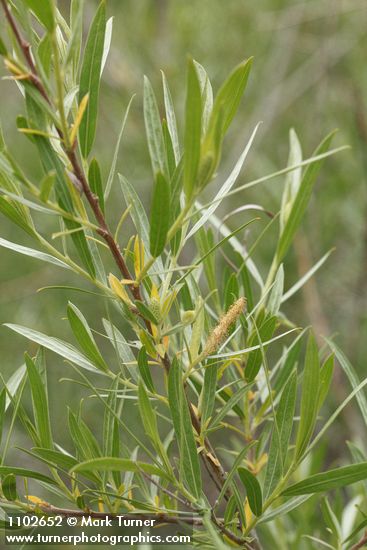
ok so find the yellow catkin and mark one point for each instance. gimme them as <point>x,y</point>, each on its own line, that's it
<point>221,330</point>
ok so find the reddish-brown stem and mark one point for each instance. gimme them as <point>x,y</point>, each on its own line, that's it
<point>360,544</point>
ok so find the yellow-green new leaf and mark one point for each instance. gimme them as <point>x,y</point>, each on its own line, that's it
<point>160,215</point>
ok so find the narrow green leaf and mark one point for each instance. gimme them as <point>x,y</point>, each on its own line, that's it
<point>171,118</point>
<point>326,481</point>
<point>84,337</point>
<point>109,418</point>
<point>310,396</point>
<point>168,147</point>
<point>9,210</point>
<point>57,458</point>
<point>206,95</point>
<point>275,297</point>
<point>47,184</point>
<point>25,472</point>
<point>230,95</point>
<point>189,462</point>
<point>57,346</point>
<point>192,139</point>
<point>32,253</point>
<point>160,215</point>
<point>90,79</point>
<point>285,508</point>
<point>112,171</point>
<point>229,406</point>
<point>301,200</point>
<point>153,128</point>
<point>253,490</point>
<point>95,181</point>
<point>147,414</point>
<point>9,487</point>
<point>281,435</point>
<point>13,384</point>
<point>228,481</point>
<point>149,419</point>
<point>110,464</point>
<point>44,53</point>
<point>145,370</point>
<point>3,50</point>
<point>40,404</point>
<point>326,376</point>
<point>84,441</point>
<point>255,358</point>
<point>352,377</point>
<point>207,397</point>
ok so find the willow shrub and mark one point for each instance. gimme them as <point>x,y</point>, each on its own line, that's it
<point>228,390</point>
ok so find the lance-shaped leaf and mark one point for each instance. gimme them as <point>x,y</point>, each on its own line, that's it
<point>25,472</point>
<point>84,441</point>
<point>310,397</point>
<point>192,138</point>
<point>90,79</point>
<point>149,419</point>
<point>281,435</point>
<point>255,357</point>
<point>352,377</point>
<point>40,404</point>
<point>160,215</point>
<point>11,212</point>
<point>326,481</point>
<point>230,94</point>
<point>153,128</point>
<point>144,369</point>
<point>84,336</point>
<point>171,119</point>
<point>112,464</point>
<point>301,200</point>
<point>9,487</point>
<point>189,462</point>
<point>57,346</point>
<point>253,490</point>
<point>207,397</point>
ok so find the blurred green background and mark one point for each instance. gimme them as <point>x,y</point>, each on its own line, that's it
<point>309,73</point>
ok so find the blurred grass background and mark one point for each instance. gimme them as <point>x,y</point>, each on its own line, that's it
<point>309,73</point>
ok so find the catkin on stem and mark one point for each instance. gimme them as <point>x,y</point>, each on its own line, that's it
<point>221,330</point>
